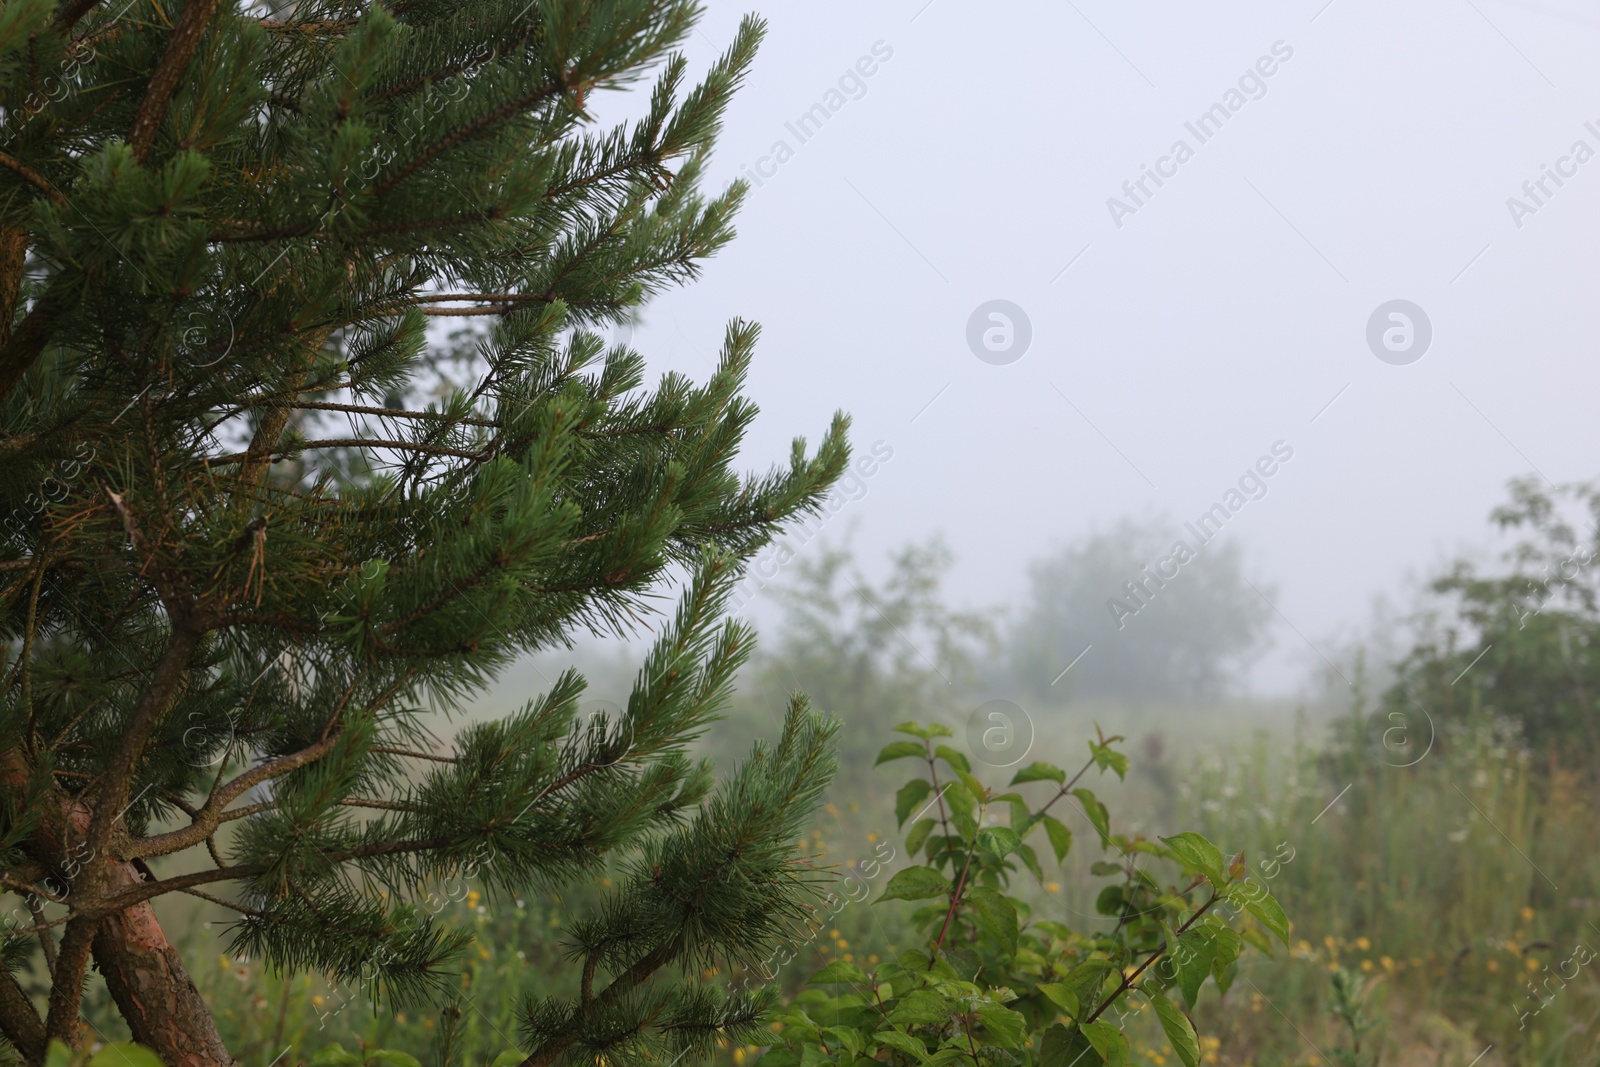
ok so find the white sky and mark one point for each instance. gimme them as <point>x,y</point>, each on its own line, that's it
<point>1223,316</point>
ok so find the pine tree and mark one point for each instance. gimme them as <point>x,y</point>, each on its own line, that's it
<point>263,526</point>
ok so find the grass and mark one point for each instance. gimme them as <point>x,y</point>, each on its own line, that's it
<point>1443,888</point>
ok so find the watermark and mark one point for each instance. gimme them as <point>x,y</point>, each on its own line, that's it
<point>1399,332</point>
<point>1252,85</point>
<point>1561,976</point>
<point>1579,560</point>
<point>1537,192</point>
<point>1140,591</point>
<point>852,486</point>
<point>999,733</point>
<point>863,872</point>
<point>999,332</point>
<point>852,85</point>
<point>52,490</point>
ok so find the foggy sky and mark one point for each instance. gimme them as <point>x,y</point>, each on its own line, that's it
<point>1228,311</point>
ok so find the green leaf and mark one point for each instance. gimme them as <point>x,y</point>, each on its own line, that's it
<point>1063,997</point>
<point>394,1056</point>
<point>996,917</point>
<point>1196,952</point>
<point>1031,860</point>
<point>975,787</point>
<point>1086,981</point>
<point>509,1058</point>
<point>1263,907</point>
<point>921,1007</point>
<point>1060,836</point>
<point>1197,854</point>
<point>1109,902</point>
<point>911,728</point>
<point>1006,1028</point>
<point>1040,772</point>
<point>127,1054</point>
<point>1061,1047</point>
<point>1096,812</point>
<point>1104,867</point>
<point>840,972</point>
<point>909,797</point>
<point>918,834</point>
<point>1180,1031</point>
<point>1226,944</point>
<point>895,1039</point>
<point>843,1035</point>
<point>960,800</point>
<point>332,1055</point>
<point>1000,841</point>
<point>1108,1041</point>
<point>58,1055</point>
<point>900,750</point>
<point>956,760</point>
<point>1107,757</point>
<point>915,883</point>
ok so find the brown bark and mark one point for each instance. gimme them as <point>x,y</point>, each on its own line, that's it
<point>152,988</point>
<point>13,251</point>
<point>180,50</point>
<point>20,1022</point>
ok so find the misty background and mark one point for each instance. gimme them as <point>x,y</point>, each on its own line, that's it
<point>1228,312</point>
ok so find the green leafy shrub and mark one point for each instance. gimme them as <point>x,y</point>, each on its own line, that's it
<point>996,985</point>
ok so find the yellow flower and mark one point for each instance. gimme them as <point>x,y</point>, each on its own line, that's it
<point>1527,915</point>
<point>872,836</point>
<point>483,953</point>
<point>1052,887</point>
<point>834,934</point>
<point>1388,964</point>
<point>472,898</point>
<point>849,957</point>
<point>400,1017</point>
<point>1329,943</point>
<point>872,958</point>
<point>831,808</point>
<point>427,1024</point>
<point>316,998</point>
<point>738,1055</point>
<point>1532,964</point>
<point>1366,965</point>
<point>1363,944</point>
<point>1494,965</point>
<point>843,943</point>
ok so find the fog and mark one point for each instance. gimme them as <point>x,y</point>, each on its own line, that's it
<point>911,162</point>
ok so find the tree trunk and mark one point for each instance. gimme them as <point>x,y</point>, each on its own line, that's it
<point>152,988</point>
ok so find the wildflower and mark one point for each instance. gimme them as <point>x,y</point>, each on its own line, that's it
<point>1527,914</point>
<point>1330,943</point>
<point>1532,964</point>
<point>1366,965</point>
<point>1053,887</point>
<point>1363,944</point>
<point>472,898</point>
<point>872,836</point>
<point>316,999</point>
<point>1493,965</point>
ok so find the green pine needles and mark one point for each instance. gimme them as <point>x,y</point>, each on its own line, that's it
<point>262,524</point>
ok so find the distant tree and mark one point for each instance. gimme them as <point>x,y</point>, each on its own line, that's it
<point>873,654</point>
<point>1523,642</point>
<point>1184,636</point>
